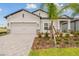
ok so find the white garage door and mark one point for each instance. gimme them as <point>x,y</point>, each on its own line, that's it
<point>23,28</point>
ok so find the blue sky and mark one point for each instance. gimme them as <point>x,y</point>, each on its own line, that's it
<point>8,8</point>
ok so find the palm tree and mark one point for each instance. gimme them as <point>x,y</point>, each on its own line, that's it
<point>53,13</point>
<point>72,6</point>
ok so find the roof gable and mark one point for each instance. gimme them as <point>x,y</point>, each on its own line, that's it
<point>41,13</point>
<point>65,17</point>
<point>39,10</point>
<point>20,11</point>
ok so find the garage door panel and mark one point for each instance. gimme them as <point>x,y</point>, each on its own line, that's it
<point>23,28</point>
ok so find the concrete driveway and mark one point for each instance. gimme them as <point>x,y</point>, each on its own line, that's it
<point>16,44</point>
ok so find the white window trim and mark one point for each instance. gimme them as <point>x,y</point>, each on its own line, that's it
<point>46,26</point>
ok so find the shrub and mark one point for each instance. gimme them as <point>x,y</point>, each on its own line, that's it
<point>60,34</point>
<point>39,35</point>
<point>37,42</point>
<point>67,35</point>
<point>46,35</point>
<point>58,42</point>
<point>76,33</point>
<point>66,42</point>
<point>58,38</point>
<point>72,32</point>
<point>77,42</point>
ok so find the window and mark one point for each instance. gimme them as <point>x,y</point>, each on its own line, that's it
<point>45,26</point>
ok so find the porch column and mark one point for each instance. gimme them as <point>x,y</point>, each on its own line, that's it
<point>59,26</point>
<point>69,25</point>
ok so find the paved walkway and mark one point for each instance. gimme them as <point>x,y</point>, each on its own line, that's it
<point>16,44</point>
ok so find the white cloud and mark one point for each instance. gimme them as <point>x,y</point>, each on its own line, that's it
<point>31,5</point>
<point>1,9</point>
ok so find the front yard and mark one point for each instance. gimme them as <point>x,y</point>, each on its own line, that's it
<point>55,52</point>
<point>66,45</point>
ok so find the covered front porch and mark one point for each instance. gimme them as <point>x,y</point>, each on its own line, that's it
<point>64,25</point>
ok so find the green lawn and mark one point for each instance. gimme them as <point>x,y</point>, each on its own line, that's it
<point>55,52</point>
<point>3,30</point>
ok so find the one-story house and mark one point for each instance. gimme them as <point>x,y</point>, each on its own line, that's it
<point>20,20</point>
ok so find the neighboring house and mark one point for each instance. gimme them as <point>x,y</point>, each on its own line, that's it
<point>23,20</point>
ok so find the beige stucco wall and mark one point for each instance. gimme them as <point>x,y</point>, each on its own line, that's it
<point>28,17</point>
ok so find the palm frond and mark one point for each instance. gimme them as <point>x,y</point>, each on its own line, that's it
<point>52,11</point>
<point>74,7</point>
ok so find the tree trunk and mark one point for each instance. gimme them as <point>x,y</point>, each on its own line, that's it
<point>52,32</point>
